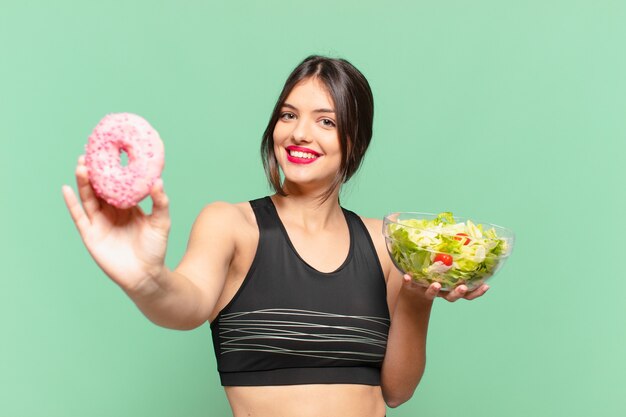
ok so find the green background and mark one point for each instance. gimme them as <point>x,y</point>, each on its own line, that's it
<point>508,112</point>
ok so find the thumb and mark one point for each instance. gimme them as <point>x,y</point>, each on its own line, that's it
<point>160,216</point>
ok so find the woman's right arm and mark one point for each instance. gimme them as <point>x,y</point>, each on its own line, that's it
<point>129,246</point>
<point>183,299</point>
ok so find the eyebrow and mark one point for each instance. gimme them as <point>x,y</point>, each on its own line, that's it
<point>314,111</point>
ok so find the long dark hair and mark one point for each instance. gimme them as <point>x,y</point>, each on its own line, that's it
<point>354,110</point>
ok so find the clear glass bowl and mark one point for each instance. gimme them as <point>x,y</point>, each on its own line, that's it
<point>462,252</point>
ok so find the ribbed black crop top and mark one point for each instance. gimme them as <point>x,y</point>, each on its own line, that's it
<point>292,324</point>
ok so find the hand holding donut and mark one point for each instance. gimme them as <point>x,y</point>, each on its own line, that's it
<point>127,244</point>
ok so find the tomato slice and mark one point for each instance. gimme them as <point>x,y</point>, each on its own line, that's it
<point>444,258</point>
<point>464,237</point>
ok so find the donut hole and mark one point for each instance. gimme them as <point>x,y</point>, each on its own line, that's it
<point>123,157</point>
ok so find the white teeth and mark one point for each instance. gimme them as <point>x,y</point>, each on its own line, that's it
<point>299,154</point>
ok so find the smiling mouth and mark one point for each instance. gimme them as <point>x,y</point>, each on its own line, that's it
<point>301,155</point>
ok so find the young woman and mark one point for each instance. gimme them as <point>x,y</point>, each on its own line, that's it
<point>309,316</point>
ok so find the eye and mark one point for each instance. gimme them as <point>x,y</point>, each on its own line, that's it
<point>287,115</point>
<point>328,123</point>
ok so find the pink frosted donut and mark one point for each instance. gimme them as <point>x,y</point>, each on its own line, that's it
<point>124,186</point>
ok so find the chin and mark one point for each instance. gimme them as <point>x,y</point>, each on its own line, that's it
<point>308,183</point>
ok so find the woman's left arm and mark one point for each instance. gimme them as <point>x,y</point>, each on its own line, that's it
<point>410,306</point>
<point>405,357</point>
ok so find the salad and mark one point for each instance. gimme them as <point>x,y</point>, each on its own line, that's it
<point>442,250</point>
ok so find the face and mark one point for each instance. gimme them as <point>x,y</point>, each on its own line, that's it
<point>306,141</point>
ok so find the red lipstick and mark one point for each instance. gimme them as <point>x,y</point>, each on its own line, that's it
<point>301,155</point>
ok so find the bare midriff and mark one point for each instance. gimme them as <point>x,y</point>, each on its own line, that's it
<point>331,400</point>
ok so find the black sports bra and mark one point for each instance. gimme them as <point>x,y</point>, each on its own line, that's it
<point>292,324</point>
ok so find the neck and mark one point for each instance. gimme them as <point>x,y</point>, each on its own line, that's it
<point>308,209</point>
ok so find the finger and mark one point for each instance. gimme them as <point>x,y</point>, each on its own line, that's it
<point>88,197</point>
<point>456,293</point>
<point>160,216</point>
<point>480,291</point>
<point>76,210</point>
<point>433,290</point>
<point>408,281</point>
<point>412,284</point>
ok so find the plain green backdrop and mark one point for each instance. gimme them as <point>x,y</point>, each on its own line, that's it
<point>506,112</point>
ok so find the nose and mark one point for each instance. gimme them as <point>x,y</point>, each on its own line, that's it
<point>300,132</point>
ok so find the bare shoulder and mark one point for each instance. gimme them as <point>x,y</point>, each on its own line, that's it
<point>223,226</point>
<point>374,226</point>
<point>392,275</point>
<point>375,229</point>
<point>218,233</point>
<point>226,216</point>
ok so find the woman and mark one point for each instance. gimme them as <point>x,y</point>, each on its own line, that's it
<point>308,314</point>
